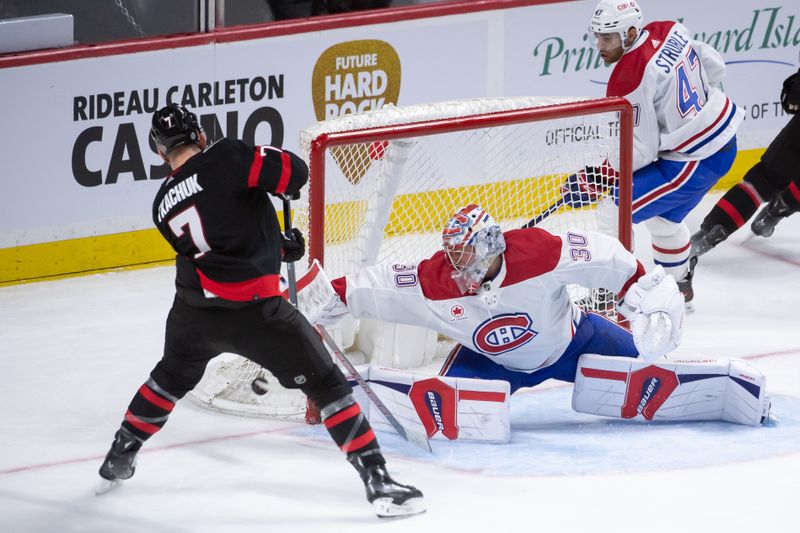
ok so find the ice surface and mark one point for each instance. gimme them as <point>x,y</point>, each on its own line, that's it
<point>73,351</point>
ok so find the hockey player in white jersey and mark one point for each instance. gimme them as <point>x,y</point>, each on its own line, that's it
<point>504,298</point>
<point>684,125</point>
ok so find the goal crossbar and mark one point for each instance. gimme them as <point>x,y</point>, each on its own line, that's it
<point>325,141</point>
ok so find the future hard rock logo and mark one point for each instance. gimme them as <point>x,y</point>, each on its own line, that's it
<point>353,77</point>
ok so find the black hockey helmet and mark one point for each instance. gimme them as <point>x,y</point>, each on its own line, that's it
<point>174,125</point>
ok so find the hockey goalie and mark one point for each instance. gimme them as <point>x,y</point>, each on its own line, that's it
<point>503,297</point>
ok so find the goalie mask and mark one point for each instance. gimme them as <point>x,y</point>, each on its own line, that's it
<point>617,16</point>
<point>471,240</point>
<point>173,125</point>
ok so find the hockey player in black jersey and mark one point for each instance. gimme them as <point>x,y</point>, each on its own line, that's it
<point>775,179</point>
<point>214,211</point>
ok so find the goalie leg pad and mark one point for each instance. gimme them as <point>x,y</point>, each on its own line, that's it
<point>446,408</point>
<point>703,389</point>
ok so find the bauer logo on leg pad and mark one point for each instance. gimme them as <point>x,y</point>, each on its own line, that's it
<point>436,404</point>
<point>648,389</point>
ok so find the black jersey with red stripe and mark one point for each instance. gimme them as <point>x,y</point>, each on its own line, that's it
<point>215,212</point>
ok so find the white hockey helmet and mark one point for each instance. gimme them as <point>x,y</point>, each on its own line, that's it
<point>471,240</point>
<point>617,16</point>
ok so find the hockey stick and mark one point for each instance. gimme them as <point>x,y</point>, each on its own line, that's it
<point>415,437</point>
<point>287,230</point>
<point>418,438</point>
<point>577,195</point>
<point>259,384</point>
<point>546,213</point>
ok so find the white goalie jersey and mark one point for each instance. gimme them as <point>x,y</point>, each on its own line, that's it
<point>523,319</point>
<point>673,84</point>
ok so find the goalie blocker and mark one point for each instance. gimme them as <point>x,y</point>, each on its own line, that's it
<point>679,390</point>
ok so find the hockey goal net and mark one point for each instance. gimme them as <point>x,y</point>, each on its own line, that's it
<point>383,184</point>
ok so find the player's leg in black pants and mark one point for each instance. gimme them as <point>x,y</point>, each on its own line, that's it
<point>764,182</point>
<point>780,207</point>
<point>284,342</point>
<point>275,335</point>
<point>187,351</point>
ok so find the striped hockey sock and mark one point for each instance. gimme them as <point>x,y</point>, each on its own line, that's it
<point>350,429</point>
<point>149,410</point>
<point>734,208</point>
<point>671,248</point>
<point>791,196</point>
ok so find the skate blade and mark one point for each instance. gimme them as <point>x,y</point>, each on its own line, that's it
<point>767,418</point>
<point>771,421</point>
<point>689,306</point>
<point>106,485</point>
<point>384,507</point>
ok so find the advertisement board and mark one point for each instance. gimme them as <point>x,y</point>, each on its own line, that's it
<point>79,172</point>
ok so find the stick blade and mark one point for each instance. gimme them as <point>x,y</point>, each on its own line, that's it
<point>417,438</point>
<point>412,435</point>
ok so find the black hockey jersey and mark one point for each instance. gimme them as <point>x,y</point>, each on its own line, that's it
<point>215,212</point>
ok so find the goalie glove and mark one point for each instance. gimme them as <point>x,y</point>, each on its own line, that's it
<point>331,313</point>
<point>317,299</point>
<point>656,311</point>
<point>589,185</point>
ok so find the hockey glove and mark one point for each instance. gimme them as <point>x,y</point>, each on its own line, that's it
<point>295,248</point>
<point>588,186</point>
<point>790,95</point>
<point>656,310</point>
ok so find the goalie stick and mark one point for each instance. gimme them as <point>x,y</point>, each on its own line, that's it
<point>576,193</point>
<point>546,213</point>
<point>418,438</point>
<point>415,437</point>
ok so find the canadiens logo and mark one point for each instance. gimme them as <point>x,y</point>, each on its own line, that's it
<point>504,333</point>
<point>457,312</point>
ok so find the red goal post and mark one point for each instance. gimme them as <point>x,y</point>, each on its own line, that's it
<point>322,143</point>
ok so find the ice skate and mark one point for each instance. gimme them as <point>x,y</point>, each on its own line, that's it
<point>120,462</point>
<point>388,497</point>
<point>704,240</point>
<point>766,220</point>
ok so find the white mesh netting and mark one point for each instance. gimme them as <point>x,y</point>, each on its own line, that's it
<point>387,201</point>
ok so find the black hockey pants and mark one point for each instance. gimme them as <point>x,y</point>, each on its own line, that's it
<point>270,332</point>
